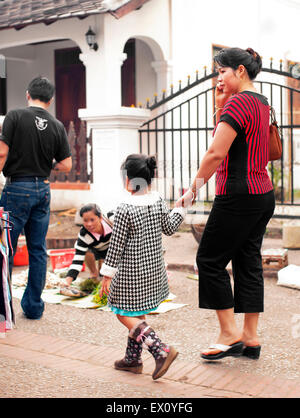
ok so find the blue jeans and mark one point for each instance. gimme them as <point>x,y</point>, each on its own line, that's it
<point>28,204</point>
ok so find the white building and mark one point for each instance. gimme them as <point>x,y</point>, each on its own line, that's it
<point>143,46</point>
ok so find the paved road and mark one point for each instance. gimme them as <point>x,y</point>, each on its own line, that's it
<point>69,353</point>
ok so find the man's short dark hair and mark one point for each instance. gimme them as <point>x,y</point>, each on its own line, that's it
<point>40,88</point>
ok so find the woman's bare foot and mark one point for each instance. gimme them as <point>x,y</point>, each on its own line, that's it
<point>250,341</point>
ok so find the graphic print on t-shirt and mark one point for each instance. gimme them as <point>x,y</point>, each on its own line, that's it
<point>41,123</point>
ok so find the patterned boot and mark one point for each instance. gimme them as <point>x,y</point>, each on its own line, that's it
<point>132,361</point>
<point>163,354</point>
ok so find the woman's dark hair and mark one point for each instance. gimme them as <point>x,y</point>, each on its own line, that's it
<point>90,207</point>
<point>233,57</point>
<point>139,167</point>
<point>40,88</point>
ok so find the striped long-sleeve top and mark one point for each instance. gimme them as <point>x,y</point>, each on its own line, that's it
<point>244,168</point>
<point>85,241</point>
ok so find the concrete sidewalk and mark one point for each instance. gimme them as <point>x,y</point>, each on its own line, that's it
<point>61,356</point>
<point>183,380</point>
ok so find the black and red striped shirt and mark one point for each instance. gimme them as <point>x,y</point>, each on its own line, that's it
<point>244,168</point>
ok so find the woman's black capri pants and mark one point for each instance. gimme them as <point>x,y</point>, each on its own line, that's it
<point>234,232</point>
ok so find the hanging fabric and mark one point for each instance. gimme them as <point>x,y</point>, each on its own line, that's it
<point>6,304</point>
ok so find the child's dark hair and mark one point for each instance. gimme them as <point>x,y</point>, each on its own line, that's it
<point>40,88</point>
<point>139,167</point>
<point>90,207</point>
<point>233,57</point>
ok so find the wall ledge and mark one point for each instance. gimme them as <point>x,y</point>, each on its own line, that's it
<point>66,185</point>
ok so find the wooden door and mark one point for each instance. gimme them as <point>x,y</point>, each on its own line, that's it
<point>294,101</point>
<point>128,75</point>
<point>3,96</point>
<point>70,91</point>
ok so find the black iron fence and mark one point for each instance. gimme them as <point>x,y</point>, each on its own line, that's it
<point>180,131</point>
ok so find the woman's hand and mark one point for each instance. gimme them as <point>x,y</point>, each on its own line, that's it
<point>186,200</point>
<point>105,286</point>
<point>220,97</point>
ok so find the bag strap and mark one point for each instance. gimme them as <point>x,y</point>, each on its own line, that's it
<point>274,121</point>
<point>273,116</point>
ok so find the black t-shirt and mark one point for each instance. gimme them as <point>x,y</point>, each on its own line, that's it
<point>34,138</point>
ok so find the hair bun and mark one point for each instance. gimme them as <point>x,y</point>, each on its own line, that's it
<point>252,52</point>
<point>257,60</point>
<point>151,162</point>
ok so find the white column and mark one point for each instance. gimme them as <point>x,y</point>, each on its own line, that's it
<point>115,135</point>
<point>103,79</point>
<point>163,70</point>
<point>94,76</point>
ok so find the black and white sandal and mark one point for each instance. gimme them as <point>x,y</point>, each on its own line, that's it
<point>234,350</point>
<point>252,352</point>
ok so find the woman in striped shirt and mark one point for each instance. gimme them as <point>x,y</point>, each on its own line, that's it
<point>243,205</point>
<point>92,242</point>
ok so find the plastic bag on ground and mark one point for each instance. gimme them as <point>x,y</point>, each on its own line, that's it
<point>289,276</point>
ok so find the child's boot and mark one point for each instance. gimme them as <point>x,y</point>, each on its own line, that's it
<point>163,354</point>
<point>132,361</point>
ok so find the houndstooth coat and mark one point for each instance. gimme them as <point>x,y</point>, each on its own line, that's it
<point>135,256</point>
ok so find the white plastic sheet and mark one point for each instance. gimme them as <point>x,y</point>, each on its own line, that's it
<point>86,302</point>
<point>289,276</point>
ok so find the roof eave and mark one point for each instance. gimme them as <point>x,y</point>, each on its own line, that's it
<point>21,25</point>
<point>127,8</point>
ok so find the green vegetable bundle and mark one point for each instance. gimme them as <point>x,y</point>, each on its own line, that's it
<point>100,301</point>
<point>89,285</point>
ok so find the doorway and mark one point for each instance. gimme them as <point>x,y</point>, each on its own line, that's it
<point>128,75</point>
<point>70,86</point>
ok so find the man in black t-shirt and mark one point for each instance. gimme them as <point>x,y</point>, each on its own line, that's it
<point>30,141</point>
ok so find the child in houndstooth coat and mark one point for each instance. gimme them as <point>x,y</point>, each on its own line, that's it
<point>135,277</point>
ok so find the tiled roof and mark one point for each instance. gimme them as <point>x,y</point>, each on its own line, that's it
<point>19,13</point>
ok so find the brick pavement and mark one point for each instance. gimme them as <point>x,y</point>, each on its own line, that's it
<point>196,379</point>
<point>184,379</point>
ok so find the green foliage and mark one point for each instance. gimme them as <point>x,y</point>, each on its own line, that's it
<point>88,285</point>
<point>275,173</point>
<point>100,301</point>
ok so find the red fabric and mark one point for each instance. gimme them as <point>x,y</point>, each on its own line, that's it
<point>244,168</point>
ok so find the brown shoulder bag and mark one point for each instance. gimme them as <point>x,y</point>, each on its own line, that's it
<point>275,144</point>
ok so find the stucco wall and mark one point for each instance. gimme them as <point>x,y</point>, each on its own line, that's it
<point>177,35</point>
